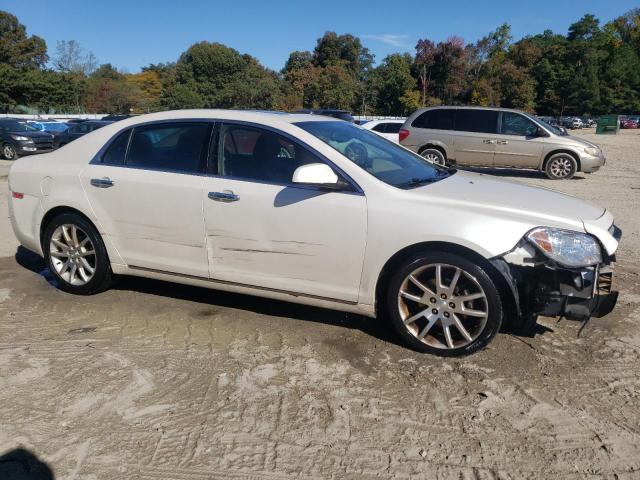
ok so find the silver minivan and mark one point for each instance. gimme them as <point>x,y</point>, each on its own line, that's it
<point>497,137</point>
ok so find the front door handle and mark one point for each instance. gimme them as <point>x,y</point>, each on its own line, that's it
<point>503,142</point>
<point>104,182</point>
<point>488,140</point>
<point>227,196</point>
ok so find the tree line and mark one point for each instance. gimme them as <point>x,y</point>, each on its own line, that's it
<point>593,69</point>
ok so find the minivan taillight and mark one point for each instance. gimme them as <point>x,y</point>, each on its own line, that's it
<point>403,134</point>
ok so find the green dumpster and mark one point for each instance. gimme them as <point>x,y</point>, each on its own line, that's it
<point>608,124</point>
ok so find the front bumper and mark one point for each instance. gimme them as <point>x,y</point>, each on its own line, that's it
<point>590,164</point>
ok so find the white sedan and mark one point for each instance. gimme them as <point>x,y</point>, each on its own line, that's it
<point>389,129</point>
<point>316,211</point>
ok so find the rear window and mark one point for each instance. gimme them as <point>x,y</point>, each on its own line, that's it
<point>481,121</point>
<point>438,119</point>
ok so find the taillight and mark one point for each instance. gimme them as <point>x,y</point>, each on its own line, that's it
<point>403,134</point>
<point>17,195</point>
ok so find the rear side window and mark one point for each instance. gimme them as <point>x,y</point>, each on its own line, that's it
<point>169,146</point>
<point>379,127</point>
<point>393,128</point>
<point>438,119</point>
<point>117,150</point>
<point>481,121</point>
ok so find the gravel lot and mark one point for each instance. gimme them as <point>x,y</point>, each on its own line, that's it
<point>153,380</point>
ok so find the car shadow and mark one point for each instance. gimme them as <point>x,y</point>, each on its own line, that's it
<point>374,327</point>
<point>21,464</point>
<point>514,172</point>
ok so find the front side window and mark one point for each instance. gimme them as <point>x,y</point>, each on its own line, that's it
<point>480,121</point>
<point>393,128</point>
<point>168,146</point>
<point>516,124</point>
<point>384,160</point>
<point>256,154</point>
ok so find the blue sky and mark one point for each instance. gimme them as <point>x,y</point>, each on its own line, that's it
<point>131,34</point>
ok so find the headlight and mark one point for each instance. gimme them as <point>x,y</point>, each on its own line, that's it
<point>571,249</point>
<point>593,151</point>
<point>20,138</point>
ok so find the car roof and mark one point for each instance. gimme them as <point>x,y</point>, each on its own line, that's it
<point>470,107</point>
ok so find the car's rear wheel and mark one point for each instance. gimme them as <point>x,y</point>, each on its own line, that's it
<point>9,152</point>
<point>444,304</point>
<point>434,156</point>
<point>76,255</point>
<point>561,166</point>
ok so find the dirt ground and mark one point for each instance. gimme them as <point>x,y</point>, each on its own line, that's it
<point>157,381</point>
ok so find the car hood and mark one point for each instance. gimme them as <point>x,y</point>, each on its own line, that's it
<point>540,206</point>
<point>570,139</point>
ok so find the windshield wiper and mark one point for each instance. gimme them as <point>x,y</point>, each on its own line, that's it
<point>416,182</point>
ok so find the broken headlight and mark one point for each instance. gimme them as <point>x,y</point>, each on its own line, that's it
<point>571,249</point>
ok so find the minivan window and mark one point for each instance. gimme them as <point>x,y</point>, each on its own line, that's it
<point>472,120</point>
<point>379,157</point>
<point>117,150</point>
<point>516,124</point>
<point>168,146</point>
<point>437,119</point>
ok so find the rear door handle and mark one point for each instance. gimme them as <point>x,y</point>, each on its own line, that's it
<point>227,196</point>
<point>104,182</point>
<point>488,140</point>
<point>503,142</point>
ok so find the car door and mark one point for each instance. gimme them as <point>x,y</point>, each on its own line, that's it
<point>518,144</point>
<point>474,136</point>
<point>146,191</point>
<point>264,231</point>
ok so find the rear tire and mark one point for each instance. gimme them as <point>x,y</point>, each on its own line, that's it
<point>561,166</point>
<point>456,315</point>
<point>76,255</point>
<point>434,155</point>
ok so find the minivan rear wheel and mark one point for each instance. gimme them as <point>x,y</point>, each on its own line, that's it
<point>561,166</point>
<point>434,156</point>
<point>444,304</point>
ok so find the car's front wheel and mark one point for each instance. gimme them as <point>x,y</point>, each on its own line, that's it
<point>444,304</point>
<point>9,152</point>
<point>561,166</point>
<point>76,255</point>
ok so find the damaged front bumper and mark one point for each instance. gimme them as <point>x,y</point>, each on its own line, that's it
<point>543,287</point>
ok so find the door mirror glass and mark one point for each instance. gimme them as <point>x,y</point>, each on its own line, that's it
<point>316,174</point>
<point>541,132</point>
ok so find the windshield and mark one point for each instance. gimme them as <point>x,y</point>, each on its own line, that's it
<point>15,126</point>
<point>553,129</point>
<point>383,159</point>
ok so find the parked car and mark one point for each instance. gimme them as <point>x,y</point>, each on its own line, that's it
<point>115,118</point>
<point>388,129</point>
<point>47,126</point>
<point>629,122</point>
<point>571,123</point>
<point>341,114</point>
<point>18,138</point>
<point>316,211</point>
<point>77,130</point>
<point>497,137</point>
<point>554,123</point>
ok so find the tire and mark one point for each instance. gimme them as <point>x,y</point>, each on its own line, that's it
<point>434,155</point>
<point>434,309</point>
<point>561,166</point>
<point>69,258</point>
<point>9,152</point>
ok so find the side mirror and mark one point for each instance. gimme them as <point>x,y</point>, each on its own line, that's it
<point>541,132</point>
<point>318,174</point>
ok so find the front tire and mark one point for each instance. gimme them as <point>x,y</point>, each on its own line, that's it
<point>561,166</point>
<point>9,152</point>
<point>76,255</point>
<point>444,304</point>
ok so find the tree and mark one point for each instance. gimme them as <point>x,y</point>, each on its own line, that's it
<point>393,80</point>
<point>71,57</point>
<point>425,59</point>
<point>149,86</point>
<point>17,50</point>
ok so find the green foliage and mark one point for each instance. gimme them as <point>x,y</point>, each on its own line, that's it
<point>593,68</point>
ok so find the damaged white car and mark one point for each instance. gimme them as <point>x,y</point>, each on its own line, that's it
<point>316,211</point>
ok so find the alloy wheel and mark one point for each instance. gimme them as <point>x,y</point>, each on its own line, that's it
<point>434,158</point>
<point>73,255</point>
<point>561,167</point>
<point>9,152</point>
<point>443,306</point>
